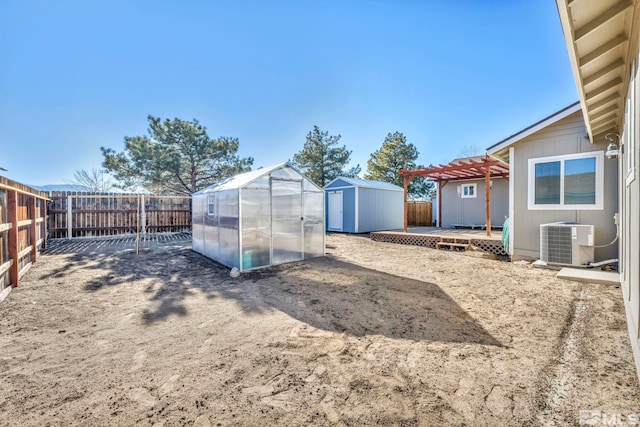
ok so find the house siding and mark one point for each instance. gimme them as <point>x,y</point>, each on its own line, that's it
<point>472,211</point>
<point>630,235</point>
<point>567,136</point>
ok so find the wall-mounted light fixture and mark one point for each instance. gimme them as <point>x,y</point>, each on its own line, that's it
<point>612,149</point>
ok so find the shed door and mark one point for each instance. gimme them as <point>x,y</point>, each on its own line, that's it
<point>335,211</point>
<point>286,221</point>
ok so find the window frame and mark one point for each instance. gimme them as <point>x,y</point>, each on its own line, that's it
<point>599,202</point>
<point>473,185</point>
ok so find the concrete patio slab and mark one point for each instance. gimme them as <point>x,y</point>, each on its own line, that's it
<point>589,276</point>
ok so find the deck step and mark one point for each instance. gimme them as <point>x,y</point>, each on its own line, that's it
<point>453,245</point>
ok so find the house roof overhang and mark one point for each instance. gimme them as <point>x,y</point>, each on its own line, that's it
<point>462,169</point>
<point>600,37</point>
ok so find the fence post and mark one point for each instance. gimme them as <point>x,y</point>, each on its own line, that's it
<point>33,241</point>
<point>143,215</point>
<point>69,217</point>
<point>45,223</point>
<point>12,217</point>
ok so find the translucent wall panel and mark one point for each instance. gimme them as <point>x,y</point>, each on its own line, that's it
<point>256,227</point>
<point>211,232</point>
<point>260,183</point>
<point>228,227</point>
<point>313,224</point>
<point>197,224</point>
<point>286,173</point>
<point>286,223</point>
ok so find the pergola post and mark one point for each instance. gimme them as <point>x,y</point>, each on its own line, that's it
<point>487,196</point>
<point>407,181</point>
<point>440,187</point>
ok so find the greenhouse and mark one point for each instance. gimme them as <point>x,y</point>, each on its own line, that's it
<point>260,218</point>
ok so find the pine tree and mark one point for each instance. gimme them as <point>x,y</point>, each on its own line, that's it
<point>394,155</point>
<point>176,157</point>
<point>321,159</point>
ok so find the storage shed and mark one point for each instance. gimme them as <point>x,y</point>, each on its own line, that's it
<point>264,217</point>
<point>360,206</point>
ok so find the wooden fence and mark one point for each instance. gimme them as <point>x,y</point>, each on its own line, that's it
<point>22,230</point>
<point>77,214</point>
<point>420,213</point>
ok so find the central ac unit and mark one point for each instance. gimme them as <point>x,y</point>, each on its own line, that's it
<point>566,243</point>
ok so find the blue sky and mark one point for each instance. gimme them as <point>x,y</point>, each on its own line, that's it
<point>78,75</point>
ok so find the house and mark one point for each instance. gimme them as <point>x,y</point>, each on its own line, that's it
<point>558,175</point>
<point>602,38</point>
<point>463,200</point>
<point>260,218</point>
<point>361,206</point>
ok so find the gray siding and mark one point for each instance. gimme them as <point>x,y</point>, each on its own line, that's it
<point>566,136</point>
<point>467,211</point>
<point>380,210</point>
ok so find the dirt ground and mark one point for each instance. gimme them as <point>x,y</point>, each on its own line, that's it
<point>371,334</point>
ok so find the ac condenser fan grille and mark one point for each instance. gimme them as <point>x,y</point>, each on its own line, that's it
<point>556,244</point>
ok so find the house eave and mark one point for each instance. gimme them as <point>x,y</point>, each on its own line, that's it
<point>599,37</point>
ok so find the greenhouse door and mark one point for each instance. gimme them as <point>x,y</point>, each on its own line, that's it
<point>286,221</point>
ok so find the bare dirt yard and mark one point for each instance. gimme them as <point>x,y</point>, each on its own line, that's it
<point>371,334</point>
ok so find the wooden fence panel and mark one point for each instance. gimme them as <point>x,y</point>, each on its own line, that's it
<point>22,227</point>
<point>105,214</point>
<point>420,213</point>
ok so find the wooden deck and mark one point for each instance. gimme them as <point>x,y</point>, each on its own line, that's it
<point>477,233</point>
<point>438,238</point>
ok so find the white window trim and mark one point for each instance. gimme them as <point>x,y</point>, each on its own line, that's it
<point>211,201</point>
<point>471,196</point>
<point>599,205</point>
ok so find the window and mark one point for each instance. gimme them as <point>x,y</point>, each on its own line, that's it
<point>572,181</point>
<point>211,202</point>
<point>469,191</point>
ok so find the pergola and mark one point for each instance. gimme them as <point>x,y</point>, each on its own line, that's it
<point>461,169</point>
